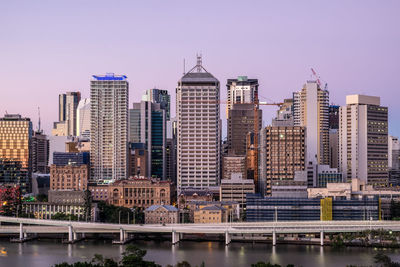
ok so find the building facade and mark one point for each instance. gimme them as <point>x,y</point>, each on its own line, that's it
<point>109,95</point>
<point>199,129</point>
<point>67,108</point>
<point>161,97</point>
<point>153,133</point>
<point>140,193</point>
<point>164,214</point>
<point>282,153</point>
<point>311,110</point>
<point>236,189</point>
<point>83,118</point>
<point>233,166</point>
<point>16,151</point>
<point>308,209</point>
<point>363,140</point>
<point>69,177</point>
<point>40,152</point>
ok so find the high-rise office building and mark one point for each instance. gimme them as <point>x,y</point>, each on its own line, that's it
<point>284,115</point>
<point>148,126</point>
<point>240,123</point>
<point>40,152</point>
<point>241,116</point>
<point>363,140</point>
<point>15,150</point>
<point>67,105</point>
<point>109,96</point>
<point>199,129</point>
<point>311,110</point>
<point>83,118</point>
<point>159,96</point>
<point>241,90</point>
<point>394,160</point>
<point>282,153</point>
<point>334,117</point>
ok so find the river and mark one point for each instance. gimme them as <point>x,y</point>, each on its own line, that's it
<point>47,252</point>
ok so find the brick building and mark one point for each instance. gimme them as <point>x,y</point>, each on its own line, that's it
<point>69,177</point>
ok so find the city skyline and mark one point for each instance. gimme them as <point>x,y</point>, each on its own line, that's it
<point>352,56</point>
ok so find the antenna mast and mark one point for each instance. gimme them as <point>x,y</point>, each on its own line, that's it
<point>199,62</point>
<point>39,119</point>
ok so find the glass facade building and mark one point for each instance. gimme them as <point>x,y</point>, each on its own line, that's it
<point>310,209</point>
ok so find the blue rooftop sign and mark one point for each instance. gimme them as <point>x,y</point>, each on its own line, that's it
<point>110,77</point>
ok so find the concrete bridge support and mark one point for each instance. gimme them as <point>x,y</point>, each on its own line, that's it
<point>175,237</point>
<point>122,236</point>
<point>322,238</point>
<point>274,238</point>
<point>227,238</point>
<point>70,234</point>
<point>21,231</point>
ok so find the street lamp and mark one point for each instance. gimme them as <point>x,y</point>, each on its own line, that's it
<point>119,217</point>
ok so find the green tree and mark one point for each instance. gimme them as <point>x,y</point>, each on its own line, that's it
<point>88,206</point>
<point>64,217</point>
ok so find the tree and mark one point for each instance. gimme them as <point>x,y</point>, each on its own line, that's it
<point>88,205</point>
<point>133,256</point>
<point>64,217</point>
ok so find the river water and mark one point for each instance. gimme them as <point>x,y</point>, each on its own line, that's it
<point>41,253</point>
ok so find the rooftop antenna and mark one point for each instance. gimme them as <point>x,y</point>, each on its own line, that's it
<point>184,67</point>
<point>199,62</point>
<point>39,120</point>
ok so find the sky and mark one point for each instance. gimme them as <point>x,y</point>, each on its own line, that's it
<point>51,47</point>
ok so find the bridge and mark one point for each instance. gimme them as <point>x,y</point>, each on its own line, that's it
<point>75,228</point>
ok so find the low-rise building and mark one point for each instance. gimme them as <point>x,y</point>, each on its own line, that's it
<point>99,192</point>
<point>191,194</point>
<point>46,210</point>
<point>139,192</point>
<point>164,214</point>
<point>310,209</point>
<point>211,214</point>
<point>235,189</point>
<point>232,208</point>
<point>66,197</point>
<point>69,177</point>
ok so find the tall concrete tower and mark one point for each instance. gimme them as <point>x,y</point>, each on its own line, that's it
<point>109,96</point>
<point>363,140</point>
<point>311,110</point>
<point>199,129</point>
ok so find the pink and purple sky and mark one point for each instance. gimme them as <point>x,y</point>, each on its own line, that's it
<point>50,47</point>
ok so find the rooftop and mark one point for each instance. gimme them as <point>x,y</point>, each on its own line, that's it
<point>110,77</point>
<point>167,207</point>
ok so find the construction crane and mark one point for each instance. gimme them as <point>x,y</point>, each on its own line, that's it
<point>256,105</point>
<point>318,79</point>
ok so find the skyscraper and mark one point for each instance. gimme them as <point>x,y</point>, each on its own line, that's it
<point>363,140</point>
<point>109,96</point>
<point>159,96</point>
<point>67,105</point>
<point>40,152</point>
<point>148,126</point>
<point>282,153</point>
<point>311,110</point>
<point>15,150</point>
<point>242,98</point>
<point>199,129</point>
<point>83,118</point>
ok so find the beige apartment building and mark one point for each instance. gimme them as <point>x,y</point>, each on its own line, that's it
<point>363,140</point>
<point>311,110</point>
